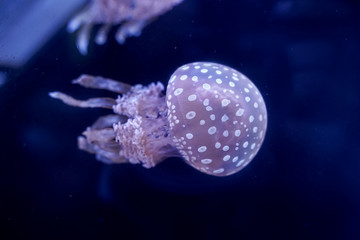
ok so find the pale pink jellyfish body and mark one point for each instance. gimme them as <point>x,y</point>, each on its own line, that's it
<point>212,115</point>
<point>133,15</point>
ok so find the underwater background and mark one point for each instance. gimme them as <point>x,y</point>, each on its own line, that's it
<point>304,183</point>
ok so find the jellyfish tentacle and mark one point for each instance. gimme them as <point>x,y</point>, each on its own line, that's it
<point>108,121</point>
<point>145,101</point>
<point>83,39</point>
<point>98,82</point>
<point>103,155</point>
<point>145,140</point>
<point>129,29</point>
<point>89,103</point>
<point>99,139</point>
<point>99,135</point>
<point>101,36</point>
<point>76,22</point>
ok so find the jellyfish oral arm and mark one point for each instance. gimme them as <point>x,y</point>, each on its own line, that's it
<point>138,132</point>
<point>89,103</point>
<point>96,82</point>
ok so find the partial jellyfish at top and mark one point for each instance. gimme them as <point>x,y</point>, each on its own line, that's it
<point>212,116</point>
<point>132,15</point>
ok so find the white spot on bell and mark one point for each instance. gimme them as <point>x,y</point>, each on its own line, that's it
<point>226,133</point>
<point>178,91</point>
<point>261,133</point>
<point>202,149</point>
<point>225,102</point>
<point>251,118</point>
<point>206,161</point>
<point>226,158</point>
<point>172,78</point>
<point>189,136</point>
<point>183,77</point>
<point>220,170</point>
<point>206,102</point>
<point>190,115</point>
<point>206,86</point>
<point>212,130</point>
<point>240,112</point>
<point>260,117</point>
<point>240,163</point>
<point>224,118</point>
<point>192,97</point>
<point>225,148</point>
<point>185,68</point>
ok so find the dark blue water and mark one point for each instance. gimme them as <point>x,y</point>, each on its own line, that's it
<point>303,184</point>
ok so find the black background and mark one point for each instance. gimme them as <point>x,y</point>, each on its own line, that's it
<point>303,184</point>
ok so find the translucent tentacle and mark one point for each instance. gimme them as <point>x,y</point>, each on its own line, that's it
<point>102,83</point>
<point>99,135</point>
<point>90,103</point>
<point>77,21</point>
<point>103,155</point>
<point>108,121</point>
<point>83,38</point>
<point>102,34</point>
<point>100,139</point>
<point>142,101</point>
<point>129,29</point>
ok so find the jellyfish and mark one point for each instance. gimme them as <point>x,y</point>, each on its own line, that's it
<point>133,15</point>
<point>212,116</point>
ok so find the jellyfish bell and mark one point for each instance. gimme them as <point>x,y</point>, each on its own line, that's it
<point>212,116</point>
<point>217,117</point>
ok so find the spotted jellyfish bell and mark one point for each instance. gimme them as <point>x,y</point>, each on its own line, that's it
<point>212,115</point>
<point>217,117</point>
